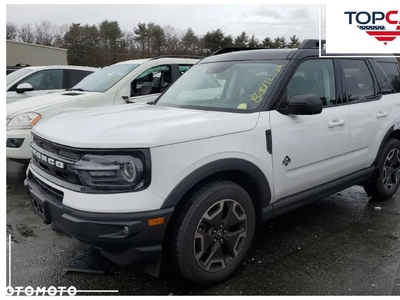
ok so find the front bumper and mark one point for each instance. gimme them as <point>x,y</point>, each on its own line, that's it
<point>22,153</point>
<point>124,238</point>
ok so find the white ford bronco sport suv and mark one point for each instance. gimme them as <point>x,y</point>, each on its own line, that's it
<point>140,80</point>
<point>241,137</point>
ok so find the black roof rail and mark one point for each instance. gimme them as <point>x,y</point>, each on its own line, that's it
<point>234,49</point>
<point>311,44</point>
<point>177,56</point>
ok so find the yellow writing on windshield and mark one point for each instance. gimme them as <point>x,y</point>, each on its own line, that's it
<point>258,95</point>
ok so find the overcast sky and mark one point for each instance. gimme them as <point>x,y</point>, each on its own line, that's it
<point>260,20</point>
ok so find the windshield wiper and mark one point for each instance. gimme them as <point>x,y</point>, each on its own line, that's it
<point>77,89</point>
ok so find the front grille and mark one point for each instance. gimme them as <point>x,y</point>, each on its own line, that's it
<point>53,193</point>
<point>57,149</point>
<point>65,154</point>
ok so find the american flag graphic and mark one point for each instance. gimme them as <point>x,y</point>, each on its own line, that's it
<point>381,34</point>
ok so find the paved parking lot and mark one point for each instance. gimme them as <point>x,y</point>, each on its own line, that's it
<point>341,245</point>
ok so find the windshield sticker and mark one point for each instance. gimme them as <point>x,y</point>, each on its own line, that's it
<point>242,106</point>
<point>258,95</point>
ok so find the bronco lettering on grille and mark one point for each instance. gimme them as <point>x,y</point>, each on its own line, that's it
<point>46,159</point>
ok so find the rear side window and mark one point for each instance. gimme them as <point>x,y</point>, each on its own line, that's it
<point>75,76</point>
<point>358,80</point>
<point>392,71</point>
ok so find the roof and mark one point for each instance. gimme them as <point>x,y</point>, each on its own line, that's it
<point>258,54</point>
<point>36,45</point>
<point>164,59</point>
<point>282,54</point>
<point>133,62</point>
<point>35,68</point>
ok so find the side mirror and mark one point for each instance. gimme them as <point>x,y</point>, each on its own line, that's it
<point>308,104</point>
<point>24,87</point>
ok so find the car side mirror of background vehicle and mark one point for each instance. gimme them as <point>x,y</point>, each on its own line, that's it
<point>24,87</point>
<point>309,104</point>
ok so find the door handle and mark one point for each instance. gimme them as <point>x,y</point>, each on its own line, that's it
<point>382,114</point>
<point>336,123</point>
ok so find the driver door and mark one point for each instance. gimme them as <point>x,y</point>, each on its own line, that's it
<point>310,150</point>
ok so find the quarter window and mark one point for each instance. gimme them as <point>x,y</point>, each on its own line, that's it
<point>184,68</point>
<point>315,76</point>
<point>393,72</point>
<point>358,80</point>
<point>384,82</point>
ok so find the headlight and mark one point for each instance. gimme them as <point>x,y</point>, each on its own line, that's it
<point>110,171</point>
<point>23,121</point>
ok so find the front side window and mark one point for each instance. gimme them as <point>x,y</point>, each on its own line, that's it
<point>52,80</point>
<point>314,76</point>
<point>34,80</point>
<point>102,80</point>
<point>43,80</point>
<point>358,80</point>
<point>225,86</point>
<point>152,81</point>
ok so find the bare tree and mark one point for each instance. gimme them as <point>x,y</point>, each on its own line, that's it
<point>44,33</point>
<point>11,31</point>
<point>58,35</point>
<point>26,33</point>
<point>130,41</point>
<point>172,39</point>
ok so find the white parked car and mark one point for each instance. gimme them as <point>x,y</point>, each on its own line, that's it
<point>185,180</point>
<point>130,81</point>
<point>35,81</point>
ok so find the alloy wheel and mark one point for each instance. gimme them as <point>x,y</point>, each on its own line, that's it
<point>391,170</point>
<point>220,235</point>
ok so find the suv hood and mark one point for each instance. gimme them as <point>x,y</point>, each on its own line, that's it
<point>36,103</point>
<point>139,126</point>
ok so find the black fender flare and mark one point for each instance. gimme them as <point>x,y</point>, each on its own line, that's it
<point>383,143</point>
<point>227,164</point>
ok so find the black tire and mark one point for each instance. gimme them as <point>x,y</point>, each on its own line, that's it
<point>376,188</point>
<point>186,240</point>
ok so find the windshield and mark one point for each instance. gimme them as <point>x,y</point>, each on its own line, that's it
<point>17,74</point>
<point>226,86</point>
<point>102,80</point>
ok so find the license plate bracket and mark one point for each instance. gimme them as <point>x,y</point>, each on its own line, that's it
<point>40,207</point>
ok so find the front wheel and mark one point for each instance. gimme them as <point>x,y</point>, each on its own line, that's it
<point>214,232</point>
<point>387,180</point>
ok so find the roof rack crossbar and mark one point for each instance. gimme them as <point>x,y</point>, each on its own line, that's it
<point>234,49</point>
<point>311,44</point>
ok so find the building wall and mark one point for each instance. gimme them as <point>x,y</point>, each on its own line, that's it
<point>34,55</point>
